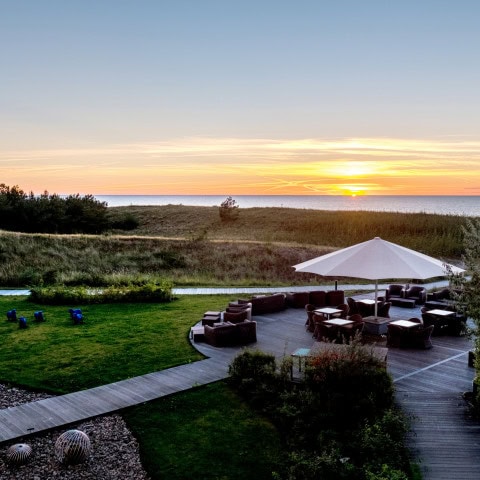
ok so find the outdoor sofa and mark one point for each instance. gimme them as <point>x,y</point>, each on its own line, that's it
<point>231,334</point>
<point>262,304</point>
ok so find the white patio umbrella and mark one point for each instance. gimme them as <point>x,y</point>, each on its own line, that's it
<point>377,259</point>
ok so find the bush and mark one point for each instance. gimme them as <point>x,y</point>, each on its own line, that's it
<point>47,213</point>
<point>253,374</point>
<point>113,294</point>
<point>124,222</point>
<point>229,210</point>
<point>334,423</point>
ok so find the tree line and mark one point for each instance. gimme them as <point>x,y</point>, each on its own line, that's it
<point>51,213</point>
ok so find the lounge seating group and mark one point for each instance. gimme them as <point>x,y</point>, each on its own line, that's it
<point>233,326</point>
<point>443,299</point>
<point>454,324</point>
<point>406,295</point>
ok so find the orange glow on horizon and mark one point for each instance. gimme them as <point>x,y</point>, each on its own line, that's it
<point>220,166</point>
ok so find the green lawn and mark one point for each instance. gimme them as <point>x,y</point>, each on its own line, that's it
<point>206,433</point>
<point>117,341</point>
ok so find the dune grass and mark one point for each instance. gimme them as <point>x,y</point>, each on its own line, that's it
<point>191,246</point>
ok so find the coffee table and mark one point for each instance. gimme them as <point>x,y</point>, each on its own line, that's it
<point>405,323</point>
<point>328,311</point>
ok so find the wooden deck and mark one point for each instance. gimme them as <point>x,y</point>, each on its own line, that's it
<point>429,386</point>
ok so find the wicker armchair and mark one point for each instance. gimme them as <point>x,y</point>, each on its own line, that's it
<point>383,309</point>
<point>420,337</point>
<point>310,323</point>
<point>353,307</point>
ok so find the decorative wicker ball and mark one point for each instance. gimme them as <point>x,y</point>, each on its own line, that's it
<point>18,454</point>
<point>72,447</point>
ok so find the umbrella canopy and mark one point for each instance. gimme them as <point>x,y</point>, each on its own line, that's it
<point>377,259</point>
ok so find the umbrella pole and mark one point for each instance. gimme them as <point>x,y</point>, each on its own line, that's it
<point>376,296</point>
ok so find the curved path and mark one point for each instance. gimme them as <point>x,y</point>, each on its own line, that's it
<point>429,386</point>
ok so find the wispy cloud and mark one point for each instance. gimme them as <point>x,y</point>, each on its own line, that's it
<point>241,165</point>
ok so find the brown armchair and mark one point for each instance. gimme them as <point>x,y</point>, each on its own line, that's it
<point>383,309</point>
<point>420,337</point>
<point>394,291</point>
<point>417,293</point>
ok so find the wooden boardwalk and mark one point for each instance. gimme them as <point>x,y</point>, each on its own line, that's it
<point>444,440</point>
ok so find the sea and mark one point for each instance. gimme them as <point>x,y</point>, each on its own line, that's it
<point>448,205</point>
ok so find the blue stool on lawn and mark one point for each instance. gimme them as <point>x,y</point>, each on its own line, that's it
<point>76,315</point>
<point>39,316</point>
<point>22,322</point>
<point>12,315</point>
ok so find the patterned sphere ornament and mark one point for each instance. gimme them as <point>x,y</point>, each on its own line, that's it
<point>19,454</point>
<point>72,447</point>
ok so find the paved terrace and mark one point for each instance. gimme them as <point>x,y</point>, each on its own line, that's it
<point>429,386</point>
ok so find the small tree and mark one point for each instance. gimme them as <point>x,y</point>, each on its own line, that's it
<point>229,210</point>
<point>469,298</point>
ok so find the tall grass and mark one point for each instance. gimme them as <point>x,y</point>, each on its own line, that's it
<point>191,246</point>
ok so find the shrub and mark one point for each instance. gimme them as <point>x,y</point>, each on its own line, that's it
<point>229,210</point>
<point>113,294</point>
<point>253,374</point>
<point>334,423</point>
<point>127,221</point>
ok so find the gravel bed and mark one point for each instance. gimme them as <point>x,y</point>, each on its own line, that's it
<point>114,453</point>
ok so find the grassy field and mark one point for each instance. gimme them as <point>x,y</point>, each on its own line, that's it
<point>191,246</point>
<point>117,341</point>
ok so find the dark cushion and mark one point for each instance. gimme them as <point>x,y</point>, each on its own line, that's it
<point>246,332</point>
<point>335,297</point>
<point>224,335</point>
<point>235,317</point>
<point>297,299</point>
<point>268,303</point>
<point>318,298</point>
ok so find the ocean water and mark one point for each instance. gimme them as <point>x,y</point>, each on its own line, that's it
<point>449,205</point>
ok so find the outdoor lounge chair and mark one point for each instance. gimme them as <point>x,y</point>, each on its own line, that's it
<point>417,293</point>
<point>326,333</point>
<point>344,311</point>
<point>348,332</point>
<point>396,336</point>
<point>440,323</point>
<point>310,324</point>
<point>420,337</point>
<point>383,309</point>
<point>353,307</point>
<point>394,291</point>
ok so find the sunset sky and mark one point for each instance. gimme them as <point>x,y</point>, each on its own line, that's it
<point>240,97</point>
